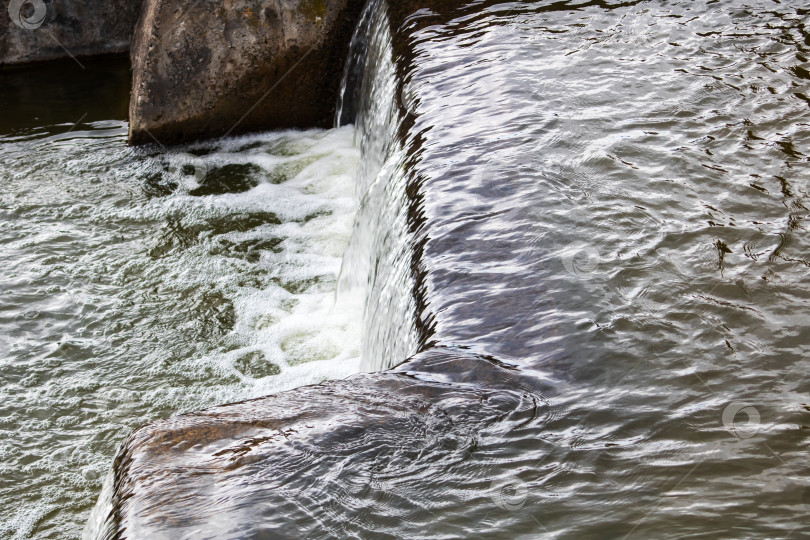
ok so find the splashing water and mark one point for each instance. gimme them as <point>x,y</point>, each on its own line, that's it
<point>144,283</point>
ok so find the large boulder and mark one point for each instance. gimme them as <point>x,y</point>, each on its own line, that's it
<point>41,30</point>
<point>215,67</point>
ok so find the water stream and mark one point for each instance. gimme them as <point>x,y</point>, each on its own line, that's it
<point>582,222</point>
<point>142,283</point>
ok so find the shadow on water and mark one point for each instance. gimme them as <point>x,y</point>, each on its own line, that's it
<point>34,104</point>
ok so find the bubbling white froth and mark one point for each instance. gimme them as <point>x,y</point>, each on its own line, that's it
<point>137,287</point>
<point>295,319</point>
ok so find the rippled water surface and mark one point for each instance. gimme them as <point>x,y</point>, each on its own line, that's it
<point>142,283</point>
<point>590,226</point>
<point>615,198</point>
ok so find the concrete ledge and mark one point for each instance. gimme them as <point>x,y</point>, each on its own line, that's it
<point>295,464</point>
<point>215,67</point>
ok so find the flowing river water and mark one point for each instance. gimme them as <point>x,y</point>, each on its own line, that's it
<point>143,283</point>
<point>586,217</point>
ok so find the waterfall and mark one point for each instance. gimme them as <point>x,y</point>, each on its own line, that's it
<point>379,254</point>
<point>376,263</point>
<point>573,342</point>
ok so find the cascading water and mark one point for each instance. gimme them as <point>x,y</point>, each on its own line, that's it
<point>145,283</point>
<point>586,221</point>
<point>376,264</point>
<point>379,252</point>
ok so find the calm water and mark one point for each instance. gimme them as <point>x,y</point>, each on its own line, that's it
<point>588,220</point>
<point>142,283</point>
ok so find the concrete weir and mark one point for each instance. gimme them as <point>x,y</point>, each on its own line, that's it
<point>357,458</point>
<point>212,67</point>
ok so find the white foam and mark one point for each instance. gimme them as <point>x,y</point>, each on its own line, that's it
<point>147,306</point>
<point>311,334</point>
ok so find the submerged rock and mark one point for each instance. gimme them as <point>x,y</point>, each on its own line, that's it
<point>212,68</point>
<point>36,31</point>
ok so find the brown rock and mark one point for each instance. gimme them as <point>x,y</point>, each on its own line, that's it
<point>298,464</point>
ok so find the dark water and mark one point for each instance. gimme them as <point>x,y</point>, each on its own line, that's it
<point>615,198</point>
<point>36,99</point>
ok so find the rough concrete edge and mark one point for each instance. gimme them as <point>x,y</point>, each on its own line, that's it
<point>144,59</point>
<point>150,11</point>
